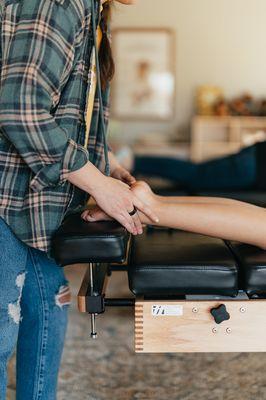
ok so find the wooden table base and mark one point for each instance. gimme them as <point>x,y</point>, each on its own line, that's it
<point>188,326</point>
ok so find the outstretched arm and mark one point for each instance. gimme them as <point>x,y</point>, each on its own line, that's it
<point>229,220</point>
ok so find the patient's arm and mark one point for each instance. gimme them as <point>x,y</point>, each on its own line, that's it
<point>223,218</point>
<point>192,199</point>
<point>198,199</point>
<point>229,219</point>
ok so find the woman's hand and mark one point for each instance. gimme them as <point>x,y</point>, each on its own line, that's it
<point>119,172</point>
<point>117,200</point>
<point>123,175</point>
<point>113,196</point>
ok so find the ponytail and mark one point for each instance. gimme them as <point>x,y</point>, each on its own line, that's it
<point>107,66</point>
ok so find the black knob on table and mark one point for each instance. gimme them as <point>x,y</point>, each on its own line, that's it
<point>220,314</point>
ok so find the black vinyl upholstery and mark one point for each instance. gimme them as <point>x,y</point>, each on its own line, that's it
<point>252,267</point>
<point>172,262</point>
<point>78,241</point>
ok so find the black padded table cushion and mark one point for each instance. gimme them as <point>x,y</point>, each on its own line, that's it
<point>172,262</point>
<point>252,263</point>
<point>78,241</point>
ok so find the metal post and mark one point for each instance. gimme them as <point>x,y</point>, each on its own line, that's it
<point>93,326</point>
<point>93,316</point>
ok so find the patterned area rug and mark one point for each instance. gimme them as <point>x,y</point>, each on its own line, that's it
<point>108,368</point>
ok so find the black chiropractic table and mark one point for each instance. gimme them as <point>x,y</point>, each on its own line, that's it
<point>192,293</point>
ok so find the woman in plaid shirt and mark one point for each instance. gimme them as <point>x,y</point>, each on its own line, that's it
<point>45,172</point>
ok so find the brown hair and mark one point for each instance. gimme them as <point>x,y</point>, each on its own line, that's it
<point>107,66</point>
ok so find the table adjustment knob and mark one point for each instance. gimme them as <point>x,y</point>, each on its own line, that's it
<point>220,314</point>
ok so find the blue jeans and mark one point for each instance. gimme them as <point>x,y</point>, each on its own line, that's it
<point>34,296</point>
<point>237,171</point>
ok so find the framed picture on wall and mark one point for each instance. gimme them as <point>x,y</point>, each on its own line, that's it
<point>144,83</point>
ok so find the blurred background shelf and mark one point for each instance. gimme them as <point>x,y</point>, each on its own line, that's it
<point>219,136</point>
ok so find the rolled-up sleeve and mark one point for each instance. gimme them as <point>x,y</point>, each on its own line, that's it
<point>41,50</point>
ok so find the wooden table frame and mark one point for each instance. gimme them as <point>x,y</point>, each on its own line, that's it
<point>180,326</point>
<point>193,328</point>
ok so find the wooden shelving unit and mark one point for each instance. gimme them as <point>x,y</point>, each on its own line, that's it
<point>219,136</point>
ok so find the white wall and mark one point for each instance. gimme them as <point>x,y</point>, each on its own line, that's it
<point>219,42</point>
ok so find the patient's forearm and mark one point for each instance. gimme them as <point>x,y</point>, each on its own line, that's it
<point>227,221</point>
<point>223,218</point>
<point>200,199</point>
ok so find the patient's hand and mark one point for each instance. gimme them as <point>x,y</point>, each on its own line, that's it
<point>143,191</point>
<point>95,214</point>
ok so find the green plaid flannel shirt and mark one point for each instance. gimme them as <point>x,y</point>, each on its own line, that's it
<point>45,65</point>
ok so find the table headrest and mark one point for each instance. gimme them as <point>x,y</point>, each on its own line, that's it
<point>78,241</point>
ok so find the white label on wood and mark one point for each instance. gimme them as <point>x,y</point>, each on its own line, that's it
<point>166,310</point>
